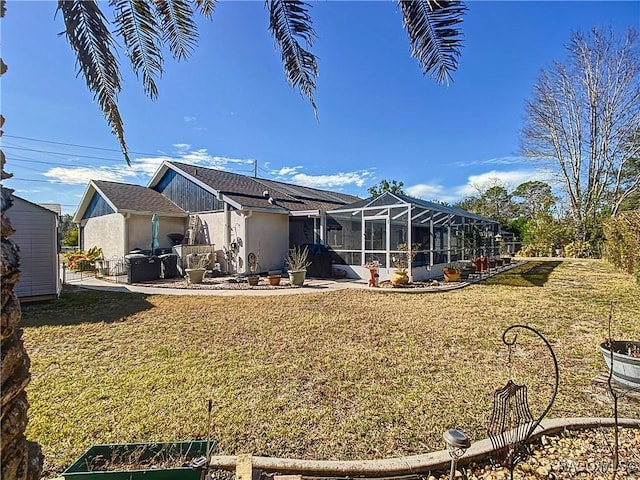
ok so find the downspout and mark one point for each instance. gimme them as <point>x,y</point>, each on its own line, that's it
<point>125,239</point>
<point>245,244</point>
<point>227,226</point>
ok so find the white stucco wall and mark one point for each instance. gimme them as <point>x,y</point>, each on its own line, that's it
<point>214,225</point>
<point>268,234</point>
<point>139,227</point>
<point>106,232</point>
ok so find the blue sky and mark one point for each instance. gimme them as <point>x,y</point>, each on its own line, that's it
<point>230,105</point>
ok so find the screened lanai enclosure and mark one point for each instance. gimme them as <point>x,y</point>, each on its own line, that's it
<point>387,228</point>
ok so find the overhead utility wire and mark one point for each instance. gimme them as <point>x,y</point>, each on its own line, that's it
<point>75,145</point>
<point>62,153</point>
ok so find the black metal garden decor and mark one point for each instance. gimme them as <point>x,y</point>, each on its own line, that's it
<point>512,422</point>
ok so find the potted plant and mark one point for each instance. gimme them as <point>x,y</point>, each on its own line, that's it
<point>622,358</point>
<point>451,272</point>
<point>273,278</point>
<point>625,357</point>
<point>196,267</point>
<point>252,261</point>
<point>141,461</point>
<point>298,263</point>
<point>402,262</point>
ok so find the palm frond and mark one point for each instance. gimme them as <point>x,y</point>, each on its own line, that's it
<point>180,32</point>
<point>142,38</point>
<point>87,33</point>
<point>435,39</point>
<point>290,19</point>
<point>206,7</point>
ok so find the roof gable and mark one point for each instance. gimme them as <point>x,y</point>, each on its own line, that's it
<point>126,198</point>
<point>247,192</point>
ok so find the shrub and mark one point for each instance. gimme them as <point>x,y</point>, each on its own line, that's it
<point>535,250</point>
<point>577,249</point>
<point>83,260</point>
<point>622,244</point>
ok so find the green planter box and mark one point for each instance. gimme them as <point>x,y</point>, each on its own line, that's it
<point>151,457</point>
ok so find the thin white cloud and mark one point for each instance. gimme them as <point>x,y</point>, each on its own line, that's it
<point>141,168</point>
<point>425,191</point>
<point>508,160</point>
<point>190,119</point>
<point>286,171</point>
<point>182,147</point>
<point>331,181</point>
<point>82,175</point>
<point>23,191</point>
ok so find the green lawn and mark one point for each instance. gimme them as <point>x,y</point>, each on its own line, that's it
<point>341,375</point>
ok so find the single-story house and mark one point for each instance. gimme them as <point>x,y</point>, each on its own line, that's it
<point>38,237</point>
<point>231,212</point>
<point>237,215</point>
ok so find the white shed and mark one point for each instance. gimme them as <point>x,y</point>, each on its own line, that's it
<point>36,234</point>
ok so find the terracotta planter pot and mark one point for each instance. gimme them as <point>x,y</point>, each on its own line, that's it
<point>274,280</point>
<point>253,280</point>
<point>399,277</point>
<point>451,275</point>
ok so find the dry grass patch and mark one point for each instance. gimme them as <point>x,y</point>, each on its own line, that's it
<point>342,375</point>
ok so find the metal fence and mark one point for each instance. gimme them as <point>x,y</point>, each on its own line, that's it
<point>114,269</point>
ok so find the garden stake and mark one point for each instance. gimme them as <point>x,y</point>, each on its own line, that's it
<point>208,453</point>
<point>512,422</point>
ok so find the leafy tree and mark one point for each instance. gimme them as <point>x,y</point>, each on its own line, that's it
<point>70,238</point>
<point>147,26</point>
<point>533,198</point>
<point>69,231</point>
<point>493,201</point>
<point>580,121</point>
<point>386,186</point>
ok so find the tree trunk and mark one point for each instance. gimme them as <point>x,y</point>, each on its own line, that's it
<point>19,458</point>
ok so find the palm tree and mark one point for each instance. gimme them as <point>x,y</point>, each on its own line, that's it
<point>147,26</point>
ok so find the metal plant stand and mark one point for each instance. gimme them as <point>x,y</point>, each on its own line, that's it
<point>512,422</point>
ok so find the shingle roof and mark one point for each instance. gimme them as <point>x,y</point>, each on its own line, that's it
<point>134,198</point>
<point>249,191</point>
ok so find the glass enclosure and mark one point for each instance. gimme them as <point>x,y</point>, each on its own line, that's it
<point>385,228</point>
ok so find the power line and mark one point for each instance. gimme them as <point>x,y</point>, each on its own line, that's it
<point>24,159</point>
<point>75,145</point>
<point>38,181</point>
<point>62,153</point>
